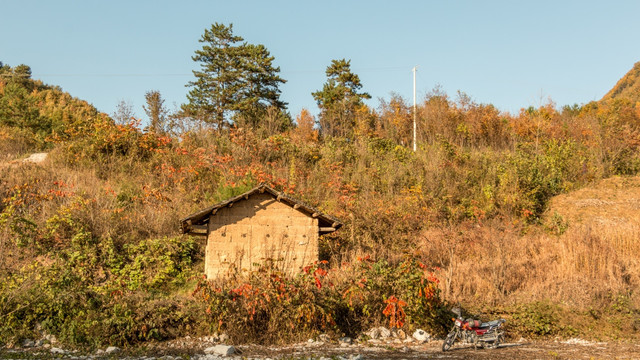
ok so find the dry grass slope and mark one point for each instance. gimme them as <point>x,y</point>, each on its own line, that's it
<point>601,240</point>
<point>585,262</point>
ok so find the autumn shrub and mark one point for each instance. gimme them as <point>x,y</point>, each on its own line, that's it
<point>406,293</point>
<point>265,305</point>
<point>110,147</point>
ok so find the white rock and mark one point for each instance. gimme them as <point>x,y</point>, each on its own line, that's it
<point>324,337</point>
<point>112,350</point>
<point>56,350</point>
<point>577,341</point>
<point>221,350</point>
<point>36,158</point>
<point>345,340</point>
<point>373,333</point>
<point>356,357</point>
<point>421,336</point>
<point>223,337</point>
<point>384,332</point>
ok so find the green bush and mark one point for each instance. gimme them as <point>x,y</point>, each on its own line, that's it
<point>537,318</point>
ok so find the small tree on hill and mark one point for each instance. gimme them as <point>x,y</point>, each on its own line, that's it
<point>339,99</point>
<point>155,110</point>
<point>304,131</point>
<point>124,113</point>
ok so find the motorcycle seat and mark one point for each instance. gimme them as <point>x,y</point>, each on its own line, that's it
<point>492,323</point>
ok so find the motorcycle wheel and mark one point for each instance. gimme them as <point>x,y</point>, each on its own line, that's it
<point>448,341</point>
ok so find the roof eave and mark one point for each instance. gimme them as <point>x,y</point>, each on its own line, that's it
<point>198,218</point>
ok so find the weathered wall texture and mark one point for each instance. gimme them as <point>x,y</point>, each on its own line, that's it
<point>257,229</point>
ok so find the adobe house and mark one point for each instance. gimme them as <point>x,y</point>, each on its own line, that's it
<point>258,225</point>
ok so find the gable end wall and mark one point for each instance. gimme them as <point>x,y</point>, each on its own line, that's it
<point>257,229</point>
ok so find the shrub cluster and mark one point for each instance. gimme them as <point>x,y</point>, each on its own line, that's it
<point>266,305</point>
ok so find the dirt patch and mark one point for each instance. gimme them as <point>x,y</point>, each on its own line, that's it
<point>36,158</point>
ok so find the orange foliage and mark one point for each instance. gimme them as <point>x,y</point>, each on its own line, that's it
<point>395,311</point>
<point>305,132</point>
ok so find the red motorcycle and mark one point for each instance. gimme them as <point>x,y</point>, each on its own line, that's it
<point>489,335</point>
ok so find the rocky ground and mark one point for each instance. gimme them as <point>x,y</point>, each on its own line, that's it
<point>384,346</point>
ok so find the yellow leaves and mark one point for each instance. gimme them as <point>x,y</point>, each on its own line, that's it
<point>305,131</point>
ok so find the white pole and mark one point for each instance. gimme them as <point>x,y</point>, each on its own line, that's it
<point>414,108</point>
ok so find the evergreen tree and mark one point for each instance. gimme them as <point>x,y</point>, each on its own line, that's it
<point>235,79</point>
<point>5,70</point>
<point>339,99</point>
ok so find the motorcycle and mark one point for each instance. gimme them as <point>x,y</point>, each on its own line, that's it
<point>489,335</point>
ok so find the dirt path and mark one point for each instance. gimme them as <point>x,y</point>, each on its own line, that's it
<point>523,350</point>
<point>432,350</point>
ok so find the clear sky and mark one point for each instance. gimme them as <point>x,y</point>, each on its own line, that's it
<point>512,54</point>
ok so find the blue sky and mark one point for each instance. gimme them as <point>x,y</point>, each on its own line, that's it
<point>512,54</point>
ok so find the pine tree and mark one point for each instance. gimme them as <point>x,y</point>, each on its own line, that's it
<point>235,79</point>
<point>339,99</point>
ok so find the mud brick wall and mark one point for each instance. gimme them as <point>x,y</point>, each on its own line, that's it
<point>257,229</point>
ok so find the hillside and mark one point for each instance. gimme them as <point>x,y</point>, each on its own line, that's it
<point>628,87</point>
<point>34,115</point>
<point>493,211</point>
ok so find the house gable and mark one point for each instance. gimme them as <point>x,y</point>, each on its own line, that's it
<point>258,226</point>
<point>257,230</point>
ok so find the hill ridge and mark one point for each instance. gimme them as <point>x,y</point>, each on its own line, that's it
<point>627,87</point>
